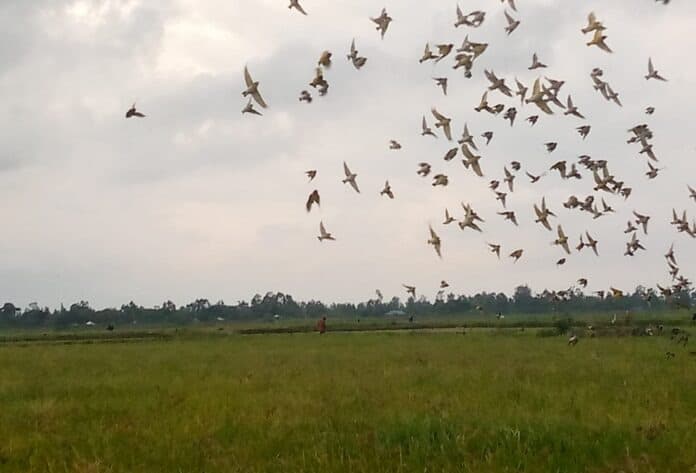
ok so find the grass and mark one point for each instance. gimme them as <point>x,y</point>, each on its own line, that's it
<point>493,400</point>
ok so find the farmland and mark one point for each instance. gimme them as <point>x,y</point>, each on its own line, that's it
<point>496,400</point>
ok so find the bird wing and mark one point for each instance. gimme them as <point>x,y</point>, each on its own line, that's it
<point>477,168</point>
<point>509,19</point>
<point>352,47</point>
<point>299,8</point>
<point>247,77</point>
<point>346,170</point>
<point>651,69</point>
<point>438,115</point>
<point>322,230</point>
<point>424,125</point>
<point>259,99</point>
<point>354,185</point>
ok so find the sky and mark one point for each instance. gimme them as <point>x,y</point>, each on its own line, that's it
<point>198,200</point>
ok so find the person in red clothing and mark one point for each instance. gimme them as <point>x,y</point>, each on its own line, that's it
<point>321,325</point>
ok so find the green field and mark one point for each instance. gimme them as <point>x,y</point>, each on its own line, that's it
<point>488,401</point>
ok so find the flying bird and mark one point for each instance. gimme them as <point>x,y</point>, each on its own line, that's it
<point>441,82</point>
<point>249,108</point>
<point>382,22</point>
<point>296,5</point>
<point>311,174</point>
<point>132,112</point>
<point>442,122</point>
<point>350,178</point>
<point>323,234</point>
<point>435,241</point>
<point>252,89</point>
<point>598,40</point>
<point>536,64</point>
<point>562,240</point>
<point>517,254</point>
<point>313,199</point>
<point>652,72</point>
<point>512,24</point>
<point>387,190</point>
<point>426,130</point>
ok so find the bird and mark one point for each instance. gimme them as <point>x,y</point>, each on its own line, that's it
<point>440,180</point>
<point>591,243</point>
<point>593,24</point>
<point>642,220</point>
<point>501,197</point>
<point>435,241</point>
<point>497,83</point>
<point>132,112</point>
<point>467,138</point>
<point>521,90</point>
<point>509,215</point>
<point>323,234</point>
<point>325,59</point>
<point>584,130</point>
<point>358,61</point>
<point>551,146</point>
<point>350,178</point>
<point>249,108</point>
<point>652,171</point>
<point>443,51</point>
<point>562,240</point>
<point>582,282</point>
<point>510,114</point>
<point>515,165</point>
<point>448,218</point>
<point>509,178</point>
<point>692,192</point>
<point>426,130</point>
<point>494,248</point>
<point>533,119</point>
<point>572,109</point>
<point>296,5</point>
<point>305,96</point>
<point>313,199</point>
<point>427,54</point>
<point>534,179</point>
<point>512,24</point>
<point>543,214</point>
<point>539,98</point>
<point>252,89</point>
<point>561,262</point>
<point>516,255</point>
<point>382,22</point>
<point>449,156</point>
<point>511,3</point>
<point>311,174</point>
<point>649,110</point>
<point>471,161</point>
<point>423,169</point>
<point>573,340</point>
<point>442,122</point>
<point>598,40</point>
<point>441,82</point>
<point>387,190</point>
<point>536,64</point>
<point>444,284</point>
<point>652,72</point>
<point>410,290</point>
<point>395,145</point>
<point>488,135</point>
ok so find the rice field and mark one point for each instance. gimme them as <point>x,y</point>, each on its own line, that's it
<point>408,401</point>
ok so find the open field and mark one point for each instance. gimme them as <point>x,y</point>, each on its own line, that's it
<point>490,400</point>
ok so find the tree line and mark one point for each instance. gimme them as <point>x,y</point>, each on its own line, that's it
<point>274,305</point>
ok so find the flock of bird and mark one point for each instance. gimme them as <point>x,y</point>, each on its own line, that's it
<point>545,97</point>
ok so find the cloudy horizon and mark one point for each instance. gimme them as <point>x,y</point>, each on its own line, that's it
<point>197,200</point>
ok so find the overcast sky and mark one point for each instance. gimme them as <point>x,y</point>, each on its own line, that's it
<point>197,200</point>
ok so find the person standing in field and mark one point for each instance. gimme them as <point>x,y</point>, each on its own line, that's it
<point>321,325</point>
